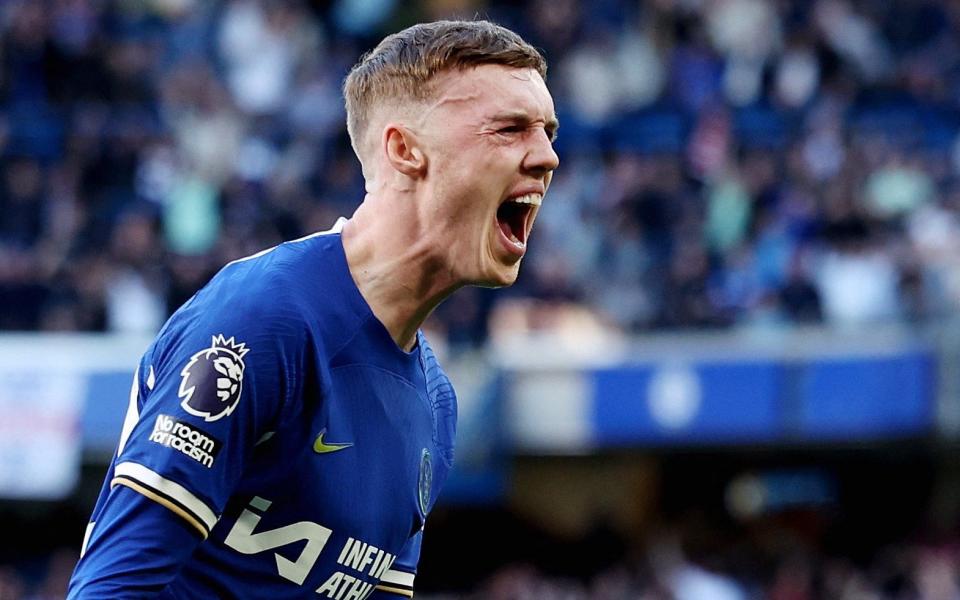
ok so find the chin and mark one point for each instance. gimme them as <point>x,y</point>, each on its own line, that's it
<point>505,276</point>
<point>497,269</point>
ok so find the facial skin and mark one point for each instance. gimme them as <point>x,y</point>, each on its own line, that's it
<point>486,137</point>
<point>436,174</point>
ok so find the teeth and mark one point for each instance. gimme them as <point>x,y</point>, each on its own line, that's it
<point>534,199</point>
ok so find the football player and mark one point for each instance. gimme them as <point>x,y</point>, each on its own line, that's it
<point>289,428</point>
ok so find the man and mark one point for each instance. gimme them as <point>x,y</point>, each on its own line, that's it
<point>289,429</point>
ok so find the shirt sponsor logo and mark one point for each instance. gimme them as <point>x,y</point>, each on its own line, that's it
<point>211,382</point>
<point>173,433</point>
<point>362,565</point>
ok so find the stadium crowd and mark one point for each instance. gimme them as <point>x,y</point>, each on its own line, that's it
<point>778,567</point>
<point>914,573</point>
<point>724,163</point>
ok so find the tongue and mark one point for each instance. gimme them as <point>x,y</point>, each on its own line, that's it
<point>511,216</point>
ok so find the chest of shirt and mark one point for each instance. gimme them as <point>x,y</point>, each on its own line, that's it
<point>358,459</point>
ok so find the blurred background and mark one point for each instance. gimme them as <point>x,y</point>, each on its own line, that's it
<point>730,368</point>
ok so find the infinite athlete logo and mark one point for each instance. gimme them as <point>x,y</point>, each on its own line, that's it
<point>211,383</point>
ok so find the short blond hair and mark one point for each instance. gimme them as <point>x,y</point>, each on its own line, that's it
<point>401,67</point>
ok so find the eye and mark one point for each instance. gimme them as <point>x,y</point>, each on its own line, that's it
<point>510,129</point>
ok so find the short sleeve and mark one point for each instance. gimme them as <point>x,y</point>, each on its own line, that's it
<point>397,581</point>
<point>210,388</point>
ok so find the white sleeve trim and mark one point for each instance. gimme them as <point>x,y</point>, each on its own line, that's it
<point>169,489</point>
<point>398,578</point>
<point>86,537</point>
<point>133,412</point>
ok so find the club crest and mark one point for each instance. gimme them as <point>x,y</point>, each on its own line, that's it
<point>211,382</point>
<point>426,481</point>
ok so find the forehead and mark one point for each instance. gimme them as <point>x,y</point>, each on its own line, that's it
<point>484,91</point>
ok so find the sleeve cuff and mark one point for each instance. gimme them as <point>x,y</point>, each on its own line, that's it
<point>168,493</point>
<point>397,582</point>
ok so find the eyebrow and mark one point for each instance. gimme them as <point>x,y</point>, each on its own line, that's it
<point>551,125</point>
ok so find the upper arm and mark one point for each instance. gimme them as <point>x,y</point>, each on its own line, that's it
<point>397,581</point>
<point>210,389</point>
<point>213,384</point>
<point>138,549</point>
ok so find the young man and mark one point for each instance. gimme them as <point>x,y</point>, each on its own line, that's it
<point>289,429</point>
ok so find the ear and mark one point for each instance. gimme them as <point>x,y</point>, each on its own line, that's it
<point>403,150</point>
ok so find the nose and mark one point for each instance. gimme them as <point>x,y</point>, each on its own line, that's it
<point>541,159</point>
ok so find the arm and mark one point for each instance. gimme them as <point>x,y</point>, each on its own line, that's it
<point>135,549</point>
<point>397,581</point>
<point>211,386</point>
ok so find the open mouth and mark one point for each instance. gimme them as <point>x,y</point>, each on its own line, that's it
<point>514,217</point>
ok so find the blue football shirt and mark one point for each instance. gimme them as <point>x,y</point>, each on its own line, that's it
<point>277,444</point>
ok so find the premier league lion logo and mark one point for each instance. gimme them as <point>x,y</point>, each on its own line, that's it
<point>211,383</point>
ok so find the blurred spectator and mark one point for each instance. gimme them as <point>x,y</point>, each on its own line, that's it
<point>731,163</point>
<point>716,156</point>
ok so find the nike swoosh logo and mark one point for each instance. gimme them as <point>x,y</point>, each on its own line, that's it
<point>321,448</point>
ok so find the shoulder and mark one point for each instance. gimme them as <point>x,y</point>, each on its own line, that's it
<point>288,271</point>
<point>436,377</point>
<point>443,401</point>
<point>295,293</point>
<point>262,297</point>
<point>281,281</point>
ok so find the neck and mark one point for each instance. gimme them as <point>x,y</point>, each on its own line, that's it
<point>398,272</point>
